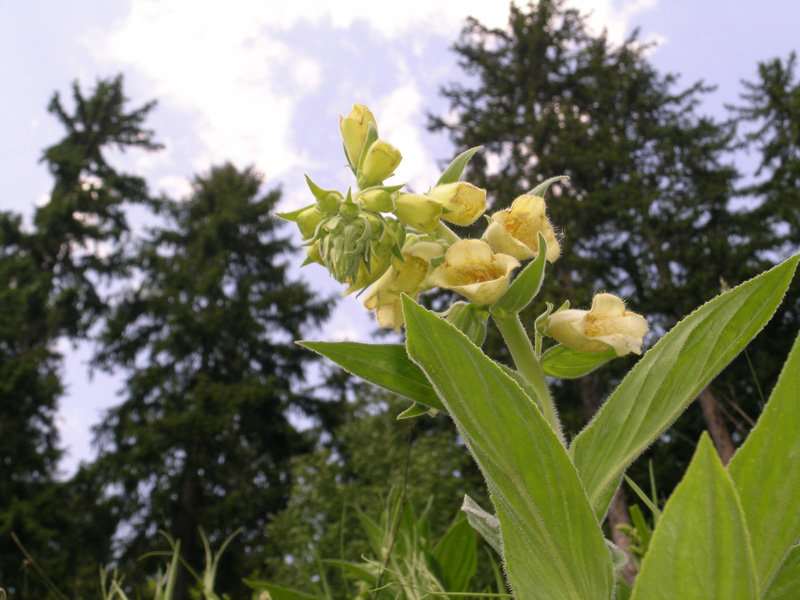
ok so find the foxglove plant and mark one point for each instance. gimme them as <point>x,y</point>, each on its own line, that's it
<point>725,533</point>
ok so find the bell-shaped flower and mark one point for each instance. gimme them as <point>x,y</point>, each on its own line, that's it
<point>515,231</point>
<point>463,203</point>
<point>418,211</point>
<point>473,270</point>
<point>380,162</point>
<point>606,325</point>
<point>354,128</point>
<point>402,277</point>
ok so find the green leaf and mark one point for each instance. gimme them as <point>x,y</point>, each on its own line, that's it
<point>786,584</point>
<point>566,363</point>
<point>456,554</point>
<point>768,486</point>
<point>541,189</point>
<point>292,216</point>
<point>553,545</point>
<point>279,593</point>
<point>700,548</point>
<point>415,410</point>
<point>661,385</point>
<point>524,287</point>
<point>453,172</point>
<point>385,365</point>
<point>484,523</point>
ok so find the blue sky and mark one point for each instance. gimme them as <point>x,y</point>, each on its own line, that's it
<point>263,83</point>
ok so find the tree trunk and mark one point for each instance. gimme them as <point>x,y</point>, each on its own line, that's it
<point>618,509</point>
<point>185,528</point>
<point>716,425</point>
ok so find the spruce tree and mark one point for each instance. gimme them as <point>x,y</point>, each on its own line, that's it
<point>50,278</point>
<point>206,331</point>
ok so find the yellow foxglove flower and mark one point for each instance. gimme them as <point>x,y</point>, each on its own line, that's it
<point>403,277</point>
<point>515,231</point>
<point>380,162</point>
<point>417,211</point>
<point>473,270</point>
<point>606,325</point>
<point>463,203</point>
<point>354,128</point>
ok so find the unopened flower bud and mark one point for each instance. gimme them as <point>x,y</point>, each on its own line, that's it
<point>376,200</point>
<point>349,209</point>
<point>330,202</point>
<point>462,202</point>
<point>312,253</point>
<point>606,325</point>
<point>417,211</point>
<point>307,222</point>
<point>380,162</point>
<point>354,130</point>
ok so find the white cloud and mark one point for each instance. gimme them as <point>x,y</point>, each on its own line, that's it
<point>225,65</point>
<point>398,114</point>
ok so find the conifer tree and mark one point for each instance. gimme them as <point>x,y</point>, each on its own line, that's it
<point>203,437</point>
<point>49,291</point>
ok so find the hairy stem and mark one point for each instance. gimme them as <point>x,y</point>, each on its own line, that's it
<point>522,351</point>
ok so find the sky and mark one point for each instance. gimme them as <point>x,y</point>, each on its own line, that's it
<point>262,83</point>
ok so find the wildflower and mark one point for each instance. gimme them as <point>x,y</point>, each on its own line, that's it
<point>380,162</point>
<point>354,130</point>
<point>418,211</point>
<point>463,203</point>
<point>474,271</point>
<point>402,277</point>
<point>606,325</point>
<point>515,231</point>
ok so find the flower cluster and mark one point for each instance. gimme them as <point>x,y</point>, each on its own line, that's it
<point>391,242</point>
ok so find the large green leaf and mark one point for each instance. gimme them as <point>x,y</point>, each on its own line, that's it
<point>786,583</point>
<point>700,548</point>
<point>456,555</point>
<point>765,473</point>
<point>385,365</point>
<point>671,374</point>
<point>553,545</point>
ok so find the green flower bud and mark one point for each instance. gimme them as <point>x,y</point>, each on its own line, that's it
<point>380,162</point>
<point>419,212</point>
<point>354,130</point>
<point>329,202</point>
<point>307,222</point>
<point>376,200</point>
<point>349,209</point>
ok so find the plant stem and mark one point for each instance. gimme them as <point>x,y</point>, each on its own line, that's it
<point>443,232</point>
<point>519,344</point>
